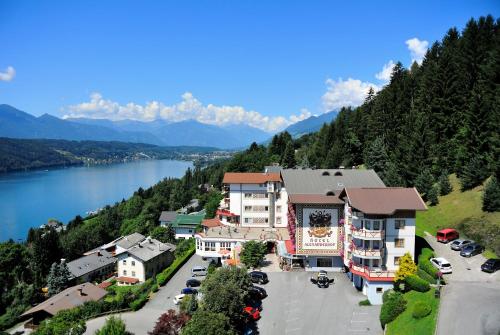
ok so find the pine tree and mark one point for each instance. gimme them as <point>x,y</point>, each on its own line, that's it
<point>58,278</point>
<point>407,267</point>
<point>433,195</point>
<point>491,196</point>
<point>473,173</point>
<point>444,184</point>
<point>391,176</point>
<point>375,155</point>
<point>424,183</point>
<point>289,157</point>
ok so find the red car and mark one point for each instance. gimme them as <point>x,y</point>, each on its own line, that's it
<point>252,312</point>
<point>447,235</point>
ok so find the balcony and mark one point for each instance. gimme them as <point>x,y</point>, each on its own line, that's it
<point>372,274</point>
<point>367,234</point>
<point>363,252</point>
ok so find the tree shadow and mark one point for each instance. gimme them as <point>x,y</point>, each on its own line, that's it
<point>420,243</point>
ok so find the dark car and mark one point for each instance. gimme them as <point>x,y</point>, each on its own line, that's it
<point>255,303</point>
<point>257,292</point>
<point>491,265</point>
<point>471,250</point>
<point>192,283</point>
<point>258,277</point>
<point>322,280</point>
<point>189,290</point>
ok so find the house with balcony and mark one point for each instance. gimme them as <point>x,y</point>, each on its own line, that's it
<point>185,225</point>
<point>379,229</point>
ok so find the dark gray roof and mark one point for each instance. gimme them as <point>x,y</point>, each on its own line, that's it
<point>273,169</point>
<point>150,248</point>
<point>322,181</point>
<point>168,216</point>
<point>130,240</point>
<point>89,263</point>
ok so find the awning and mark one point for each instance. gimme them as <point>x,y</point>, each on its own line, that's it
<point>286,250</point>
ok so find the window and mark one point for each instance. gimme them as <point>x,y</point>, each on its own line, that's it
<point>278,209</point>
<point>324,263</point>
<point>399,224</point>
<point>380,290</point>
<point>248,195</point>
<point>376,225</point>
<point>261,185</point>
<point>248,220</point>
<point>225,245</point>
<point>133,273</point>
<point>278,220</point>
<point>375,263</point>
<point>124,272</point>
<point>124,262</point>
<point>376,245</point>
<point>248,208</point>
<point>198,244</point>
<point>133,263</point>
<point>399,242</point>
<point>396,260</point>
<point>266,208</point>
<point>209,246</point>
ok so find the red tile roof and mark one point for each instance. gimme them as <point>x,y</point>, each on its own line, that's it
<point>105,284</point>
<point>249,178</point>
<point>129,280</point>
<point>384,201</point>
<point>210,223</point>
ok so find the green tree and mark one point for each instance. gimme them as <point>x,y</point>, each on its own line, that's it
<point>375,155</point>
<point>491,196</point>
<point>288,160</point>
<point>424,183</point>
<point>58,278</point>
<point>444,184</point>
<point>163,234</point>
<point>472,174</point>
<point>253,253</point>
<point>113,326</point>
<point>212,203</point>
<point>406,268</point>
<point>65,322</point>
<point>208,323</point>
<point>433,195</point>
<point>189,304</point>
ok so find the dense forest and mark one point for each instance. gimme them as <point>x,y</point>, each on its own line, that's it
<point>27,154</point>
<point>430,120</point>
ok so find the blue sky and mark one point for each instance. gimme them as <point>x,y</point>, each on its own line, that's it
<point>264,63</point>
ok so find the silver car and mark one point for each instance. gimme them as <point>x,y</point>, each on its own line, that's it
<point>457,245</point>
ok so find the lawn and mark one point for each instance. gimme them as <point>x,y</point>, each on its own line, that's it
<point>454,208</point>
<point>406,324</point>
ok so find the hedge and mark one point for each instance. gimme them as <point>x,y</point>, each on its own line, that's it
<point>425,276</point>
<point>425,264</point>
<point>139,302</point>
<point>393,305</point>
<point>421,309</point>
<point>417,284</point>
<point>163,277</point>
<point>365,302</point>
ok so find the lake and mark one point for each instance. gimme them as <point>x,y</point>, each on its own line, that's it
<point>29,199</point>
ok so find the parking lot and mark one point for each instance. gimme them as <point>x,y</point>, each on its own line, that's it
<point>470,300</point>
<point>295,306</point>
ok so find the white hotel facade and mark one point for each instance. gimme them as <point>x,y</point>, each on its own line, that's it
<point>337,220</point>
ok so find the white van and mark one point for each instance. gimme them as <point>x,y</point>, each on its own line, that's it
<point>198,271</point>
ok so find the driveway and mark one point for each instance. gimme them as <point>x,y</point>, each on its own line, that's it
<point>143,320</point>
<point>295,306</point>
<point>470,303</point>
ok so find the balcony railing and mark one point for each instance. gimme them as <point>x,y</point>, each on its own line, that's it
<point>367,234</point>
<point>375,274</point>
<point>361,251</point>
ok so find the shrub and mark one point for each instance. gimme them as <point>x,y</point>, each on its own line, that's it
<point>491,196</point>
<point>425,276</point>
<point>393,305</point>
<point>482,231</point>
<point>406,268</point>
<point>425,264</point>
<point>421,309</point>
<point>417,284</point>
<point>365,302</point>
<point>155,288</point>
<point>139,302</point>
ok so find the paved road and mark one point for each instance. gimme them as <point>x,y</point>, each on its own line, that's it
<point>470,303</point>
<point>296,306</point>
<point>143,320</point>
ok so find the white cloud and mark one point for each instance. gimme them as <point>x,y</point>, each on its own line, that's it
<point>8,75</point>
<point>385,74</point>
<point>417,49</point>
<point>350,92</point>
<point>188,108</point>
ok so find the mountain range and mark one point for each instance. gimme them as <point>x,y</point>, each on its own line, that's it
<point>18,124</point>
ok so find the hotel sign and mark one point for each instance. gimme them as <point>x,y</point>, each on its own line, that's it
<point>318,231</point>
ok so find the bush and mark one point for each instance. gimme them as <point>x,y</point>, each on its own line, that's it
<point>417,284</point>
<point>424,263</point>
<point>139,302</point>
<point>421,309</point>
<point>393,305</point>
<point>365,302</point>
<point>163,277</point>
<point>155,288</point>
<point>483,232</point>
<point>425,276</point>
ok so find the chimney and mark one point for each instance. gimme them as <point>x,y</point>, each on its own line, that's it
<point>63,260</point>
<point>80,291</point>
<point>99,253</point>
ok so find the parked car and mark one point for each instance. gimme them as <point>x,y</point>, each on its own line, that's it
<point>253,313</point>
<point>193,283</point>
<point>459,244</point>
<point>178,298</point>
<point>258,277</point>
<point>447,235</point>
<point>471,250</point>
<point>257,292</point>
<point>491,265</point>
<point>322,279</point>
<point>441,264</point>
<point>189,290</point>
<point>255,303</point>
<point>198,271</point>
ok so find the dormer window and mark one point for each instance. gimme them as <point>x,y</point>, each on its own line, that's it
<point>325,173</point>
<point>338,174</point>
<point>330,193</point>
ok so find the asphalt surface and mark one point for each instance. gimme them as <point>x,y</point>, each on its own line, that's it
<point>470,302</point>
<point>142,321</point>
<point>296,306</point>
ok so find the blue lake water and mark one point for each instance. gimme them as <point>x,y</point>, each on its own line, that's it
<point>29,199</point>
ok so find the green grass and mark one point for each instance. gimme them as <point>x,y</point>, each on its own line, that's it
<point>406,324</point>
<point>454,208</point>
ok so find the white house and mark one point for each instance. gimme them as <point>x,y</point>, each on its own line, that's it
<point>143,261</point>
